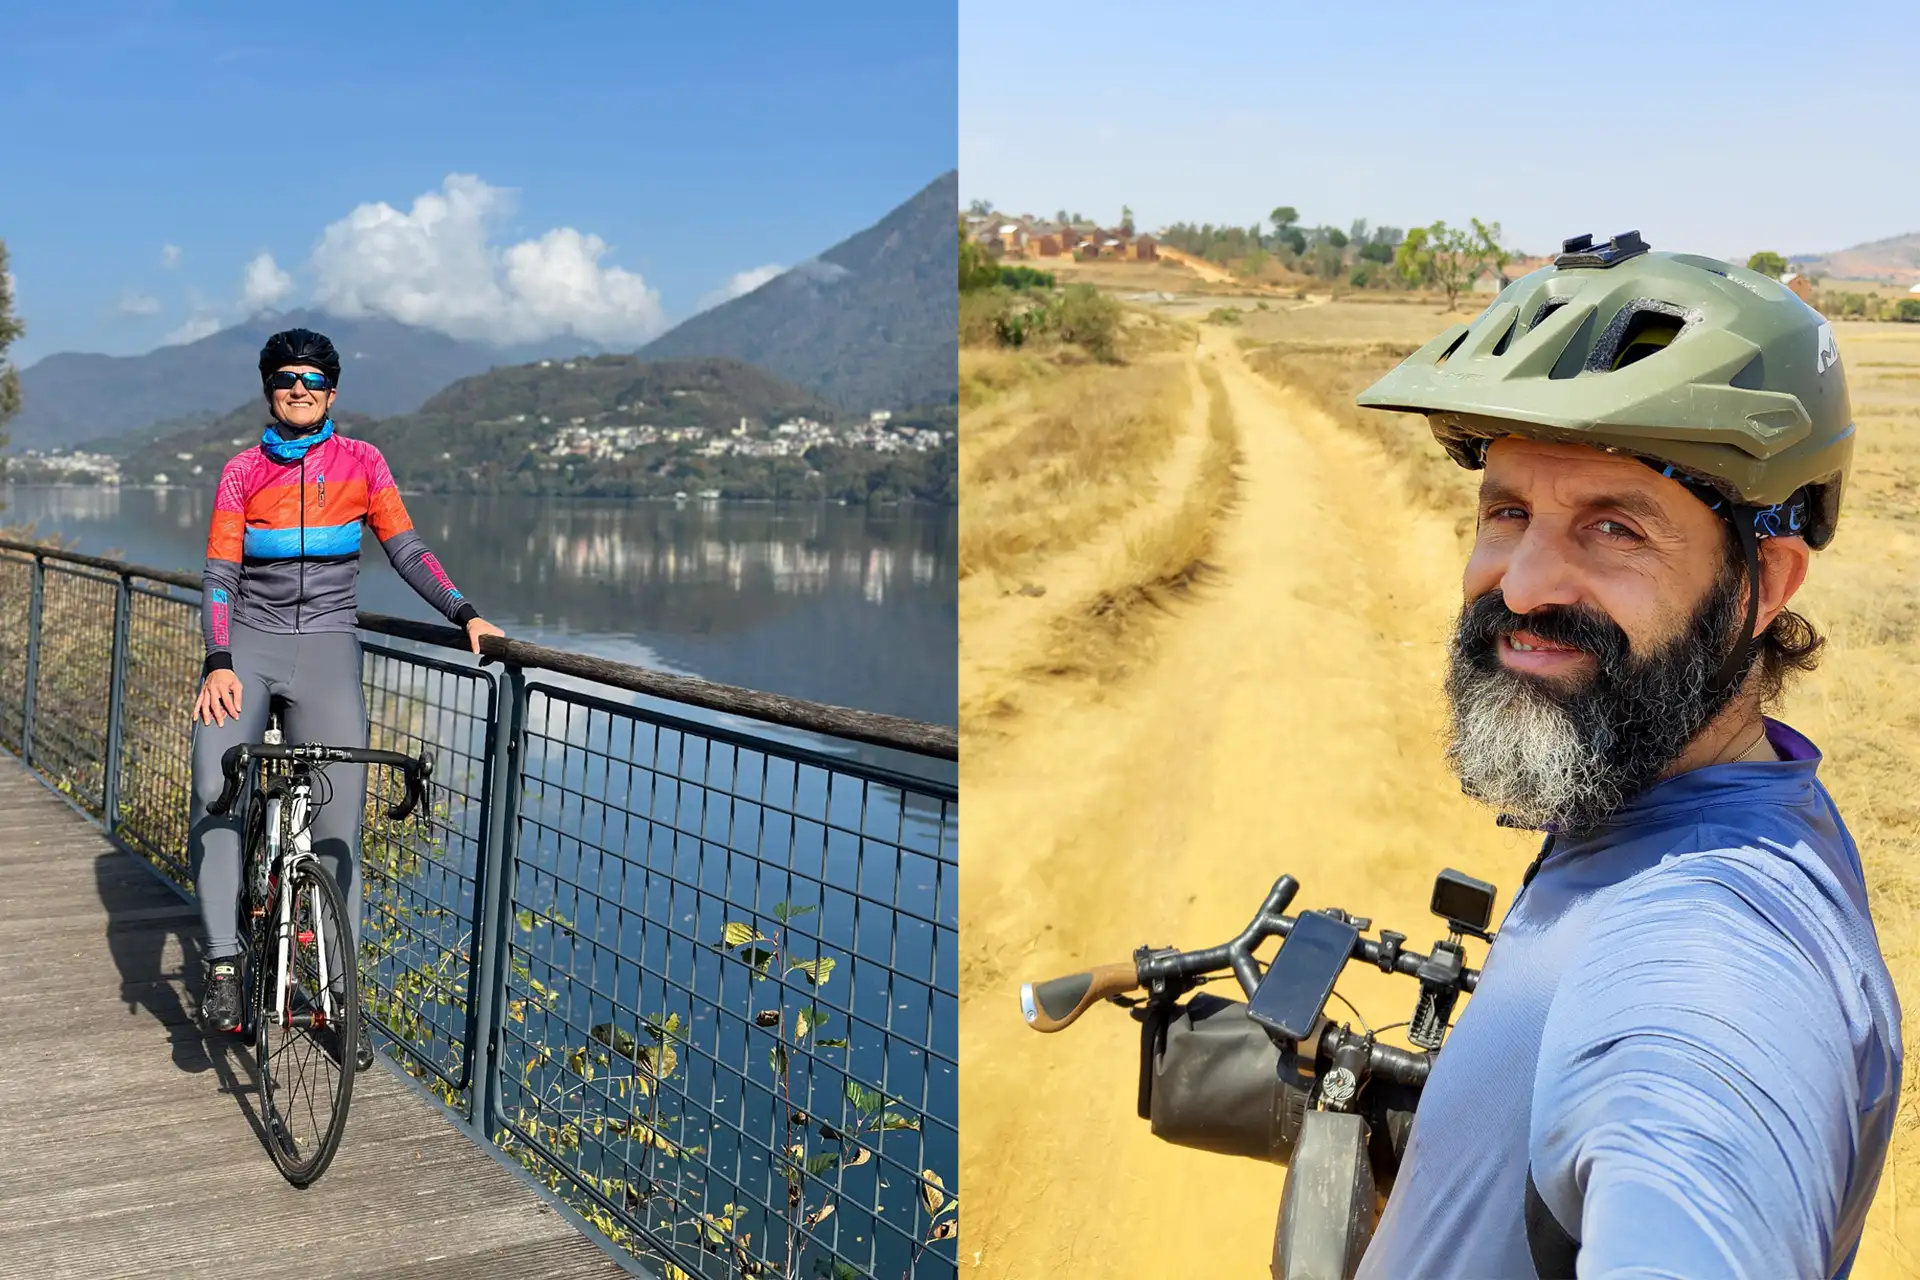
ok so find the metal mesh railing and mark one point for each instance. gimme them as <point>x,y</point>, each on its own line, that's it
<point>732,940</point>
<point>699,977</point>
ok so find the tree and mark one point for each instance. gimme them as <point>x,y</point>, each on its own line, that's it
<point>978,270</point>
<point>1126,221</point>
<point>11,329</point>
<point>1448,258</point>
<point>1358,235</point>
<point>1283,217</point>
<point>1768,264</point>
<point>980,208</point>
<point>1334,236</point>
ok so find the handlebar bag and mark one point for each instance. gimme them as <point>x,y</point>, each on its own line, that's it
<point>1210,1079</point>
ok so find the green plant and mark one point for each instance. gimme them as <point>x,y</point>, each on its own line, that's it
<point>978,270</point>
<point>1768,264</point>
<point>1023,278</point>
<point>11,330</point>
<point>1089,318</point>
<point>865,1116</point>
<point>1908,310</point>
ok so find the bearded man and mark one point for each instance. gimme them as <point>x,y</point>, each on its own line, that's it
<point>1683,1057</point>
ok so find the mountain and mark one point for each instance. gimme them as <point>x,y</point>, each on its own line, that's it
<point>872,323</point>
<point>388,368</point>
<point>1895,259</point>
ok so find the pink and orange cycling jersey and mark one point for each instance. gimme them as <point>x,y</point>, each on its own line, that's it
<point>283,549</point>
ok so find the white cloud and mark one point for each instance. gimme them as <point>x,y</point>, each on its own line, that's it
<point>820,271</point>
<point>169,255</point>
<point>137,304</point>
<point>435,266</point>
<point>192,331</point>
<point>741,283</point>
<point>263,284</point>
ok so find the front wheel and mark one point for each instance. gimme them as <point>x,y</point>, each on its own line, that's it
<point>1327,1210</point>
<point>306,1029</point>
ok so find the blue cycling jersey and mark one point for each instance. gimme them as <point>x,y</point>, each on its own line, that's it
<point>1687,1029</point>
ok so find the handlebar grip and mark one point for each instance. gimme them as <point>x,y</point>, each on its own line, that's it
<point>1056,1003</point>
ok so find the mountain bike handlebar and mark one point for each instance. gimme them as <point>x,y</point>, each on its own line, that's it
<point>1058,1002</point>
<point>418,770</point>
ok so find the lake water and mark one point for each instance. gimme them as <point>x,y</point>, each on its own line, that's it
<point>835,604</point>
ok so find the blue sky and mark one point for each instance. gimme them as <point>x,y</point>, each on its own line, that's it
<point>1708,125</point>
<point>155,151</point>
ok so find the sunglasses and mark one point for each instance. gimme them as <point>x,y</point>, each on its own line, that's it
<point>286,381</point>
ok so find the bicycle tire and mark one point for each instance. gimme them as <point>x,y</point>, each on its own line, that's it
<point>1326,1215</point>
<point>303,1163</point>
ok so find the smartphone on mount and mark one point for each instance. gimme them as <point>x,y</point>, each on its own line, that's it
<point>1300,979</point>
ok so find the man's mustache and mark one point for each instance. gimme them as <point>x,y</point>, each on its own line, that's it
<point>1488,620</point>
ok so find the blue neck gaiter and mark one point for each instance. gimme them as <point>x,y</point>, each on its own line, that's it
<point>292,450</point>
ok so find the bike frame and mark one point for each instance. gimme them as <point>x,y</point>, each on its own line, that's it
<point>282,861</point>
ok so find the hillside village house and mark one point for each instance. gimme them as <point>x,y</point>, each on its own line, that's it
<point>1801,286</point>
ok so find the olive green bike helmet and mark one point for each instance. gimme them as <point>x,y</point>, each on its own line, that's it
<point>1718,375</point>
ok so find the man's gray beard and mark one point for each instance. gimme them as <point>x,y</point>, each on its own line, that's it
<point>1520,752</point>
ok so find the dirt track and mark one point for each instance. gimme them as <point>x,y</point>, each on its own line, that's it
<point>1290,721</point>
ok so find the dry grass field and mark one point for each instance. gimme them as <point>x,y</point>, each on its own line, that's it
<point>1203,608</point>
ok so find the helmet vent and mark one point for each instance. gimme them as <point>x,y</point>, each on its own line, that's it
<point>1547,308</point>
<point>1573,357</point>
<point>1451,348</point>
<point>1640,329</point>
<point>1506,339</point>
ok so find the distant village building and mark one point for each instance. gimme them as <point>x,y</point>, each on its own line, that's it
<point>1029,237</point>
<point>1801,286</point>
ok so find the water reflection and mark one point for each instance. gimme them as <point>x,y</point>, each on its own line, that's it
<point>837,604</point>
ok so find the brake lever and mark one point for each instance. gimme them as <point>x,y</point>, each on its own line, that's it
<point>419,782</point>
<point>234,769</point>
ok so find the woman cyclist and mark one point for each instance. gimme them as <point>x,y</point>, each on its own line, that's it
<point>279,617</point>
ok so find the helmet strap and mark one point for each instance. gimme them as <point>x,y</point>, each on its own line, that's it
<point>1734,670</point>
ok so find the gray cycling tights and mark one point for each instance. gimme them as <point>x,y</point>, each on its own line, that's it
<point>319,676</point>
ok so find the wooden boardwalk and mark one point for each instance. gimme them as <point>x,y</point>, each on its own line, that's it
<point>128,1144</point>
